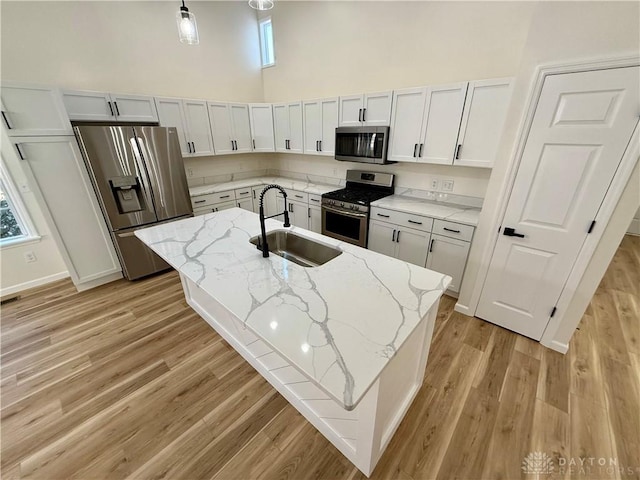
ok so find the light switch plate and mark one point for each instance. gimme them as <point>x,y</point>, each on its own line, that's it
<point>435,183</point>
<point>447,185</point>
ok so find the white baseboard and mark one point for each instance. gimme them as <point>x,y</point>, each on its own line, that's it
<point>634,228</point>
<point>557,346</point>
<point>463,309</point>
<point>33,283</point>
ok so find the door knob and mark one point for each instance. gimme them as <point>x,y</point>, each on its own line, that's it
<point>511,232</point>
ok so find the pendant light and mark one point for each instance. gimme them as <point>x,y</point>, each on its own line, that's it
<point>261,4</point>
<point>187,28</point>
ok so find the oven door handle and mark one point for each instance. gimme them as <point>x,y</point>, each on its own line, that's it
<point>344,212</point>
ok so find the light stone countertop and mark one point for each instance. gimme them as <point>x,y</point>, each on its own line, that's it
<point>339,323</point>
<point>289,183</point>
<point>443,211</point>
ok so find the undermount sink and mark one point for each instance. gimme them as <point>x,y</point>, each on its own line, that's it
<point>300,250</point>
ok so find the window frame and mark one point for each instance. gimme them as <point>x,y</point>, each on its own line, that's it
<point>19,210</point>
<point>263,43</point>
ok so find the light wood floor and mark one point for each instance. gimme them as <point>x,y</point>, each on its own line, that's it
<point>125,381</point>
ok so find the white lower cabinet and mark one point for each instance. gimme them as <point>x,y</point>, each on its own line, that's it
<point>298,214</point>
<point>403,243</point>
<point>315,218</point>
<point>382,238</point>
<point>70,207</point>
<point>448,255</point>
<point>245,204</point>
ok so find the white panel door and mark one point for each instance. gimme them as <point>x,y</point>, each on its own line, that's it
<point>315,219</point>
<point>442,116</point>
<point>351,110</point>
<point>241,127</point>
<point>580,130</point>
<point>406,123</point>
<point>88,106</point>
<point>377,109</point>
<point>413,246</point>
<point>382,238</point>
<point>312,123</point>
<point>171,114</point>
<point>70,206</point>
<point>134,108</point>
<point>329,108</point>
<point>483,118</point>
<point>198,127</point>
<point>281,126</point>
<point>28,110</point>
<point>448,256</point>
<point>221,128</point>
<point>261,118</point>
<point>296,143</point>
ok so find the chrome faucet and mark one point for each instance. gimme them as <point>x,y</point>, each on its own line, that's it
<point>265,247</point>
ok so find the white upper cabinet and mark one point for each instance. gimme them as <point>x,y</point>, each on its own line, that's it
<point>406,124</point>
<point>425,123</point>
<point>370,109</point>
<point>320,119</point>
<point>261,119</point>
<point>191,120</point>
<point>33,111</point>
<point>485,110</point>
<point>230,127</point>
<point>101,106</point>
<point>287,122</point>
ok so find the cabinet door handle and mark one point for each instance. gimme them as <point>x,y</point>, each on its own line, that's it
<point>415,150</point>
<point>317,145</point>
<point>431,245</point>
<point>420,151</point>
<point>364,111</point>
<point>111,109</point>
<point>381,215</point>
<point>360,115</point>
<point>458,148</point>
<point>193,147</point>
<point>291,207</point>
<point>254,194</point>
<point>115,104</point>
<point>238,204</point>
<point>199,201</point>
<point>309,212</point>
<point>320,144</point>
<point>398,237</point>
<point>393,236</point>
<point>6,120</point>
<point>414,222</point>
<point>189,146</point>
<point>451,230</point>
<point>254,143</point>
<point>20,154</point>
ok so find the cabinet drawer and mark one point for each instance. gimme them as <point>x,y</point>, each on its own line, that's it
<point>214,208</point>
<point>243,193</point>
<point>211,198</point>
<point>453,230</point>
<point>402,219</point>
<point>315,199</point>
<point>296,196</point>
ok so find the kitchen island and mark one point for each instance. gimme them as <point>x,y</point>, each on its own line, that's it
<point>346,343</point>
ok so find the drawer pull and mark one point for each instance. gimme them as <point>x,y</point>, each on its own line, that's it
<point>199,201</point>
<point>225,196</point>
<point>414,222</point>
<point>244,193</point>
<point>450,230</point>
<point>381,215</point>
<point>314,199</point>
<point>298,196</point>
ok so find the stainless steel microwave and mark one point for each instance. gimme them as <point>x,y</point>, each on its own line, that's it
<point>362,144</point>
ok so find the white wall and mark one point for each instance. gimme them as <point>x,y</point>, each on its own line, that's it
<point>133,47</point>
<point>15,273</point>
<point>559,32</point>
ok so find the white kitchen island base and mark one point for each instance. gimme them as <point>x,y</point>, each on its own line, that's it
<point>361,434</point>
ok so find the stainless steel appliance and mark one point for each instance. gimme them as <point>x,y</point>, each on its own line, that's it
<point>362,144</point>
<point>345,212</point>
<point>138,175</point>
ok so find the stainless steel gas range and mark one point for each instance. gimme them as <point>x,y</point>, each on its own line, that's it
<point>345,212</point>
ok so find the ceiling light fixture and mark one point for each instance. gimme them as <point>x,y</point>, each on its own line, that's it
<point>261,4</point>
<point>187,28</point>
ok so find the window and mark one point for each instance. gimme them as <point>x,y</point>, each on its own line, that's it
<point>15,225</point>
<point>266,43</point>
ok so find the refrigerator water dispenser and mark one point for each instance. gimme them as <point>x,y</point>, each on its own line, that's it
<point>126,190</point>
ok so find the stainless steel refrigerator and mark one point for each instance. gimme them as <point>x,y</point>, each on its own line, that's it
<point>138,175</point>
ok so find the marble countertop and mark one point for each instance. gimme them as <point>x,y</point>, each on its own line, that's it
<point>288,183</point>
<point>339,323</point>
<point>443,211</point>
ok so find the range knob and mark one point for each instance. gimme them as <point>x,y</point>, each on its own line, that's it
<point>342,204</point>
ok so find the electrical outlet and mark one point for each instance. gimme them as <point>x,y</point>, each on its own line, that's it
<point>30,257</point>
<point>435,184</point>
<point>447,185</point>
<point>189,172</point>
